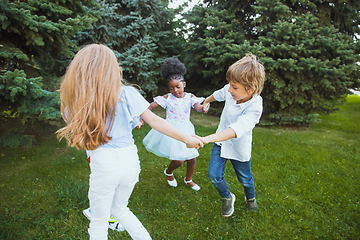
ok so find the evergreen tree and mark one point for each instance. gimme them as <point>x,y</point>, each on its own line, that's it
<point>33,32</point>
<point>309,68</point>
<point>309,54</point>
<point>216,42</point>
<point>142,35</point>
<point>343,15</point>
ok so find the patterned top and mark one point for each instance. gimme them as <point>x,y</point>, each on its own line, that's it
<point>178,109</point>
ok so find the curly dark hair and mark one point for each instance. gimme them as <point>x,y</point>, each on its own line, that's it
<point>172,69</point>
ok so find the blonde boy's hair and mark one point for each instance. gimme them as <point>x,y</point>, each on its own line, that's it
<point>249,72</point>
<point>89,93</point>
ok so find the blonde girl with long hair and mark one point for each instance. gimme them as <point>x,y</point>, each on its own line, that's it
<point>100,113</point>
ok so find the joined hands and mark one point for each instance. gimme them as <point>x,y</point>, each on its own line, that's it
<point>205,107</point>
<point>194,142</point>
<point>202,139</point>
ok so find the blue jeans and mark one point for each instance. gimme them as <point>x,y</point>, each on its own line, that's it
<point>216,174</point>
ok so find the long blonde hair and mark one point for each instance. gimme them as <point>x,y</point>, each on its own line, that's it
<point>88,94</point>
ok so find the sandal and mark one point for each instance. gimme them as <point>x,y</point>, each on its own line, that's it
<point>172,183</point>
<point>195,187</point>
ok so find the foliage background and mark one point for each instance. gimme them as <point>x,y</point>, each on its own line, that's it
<point>310,51</point>
<point>35,39</point>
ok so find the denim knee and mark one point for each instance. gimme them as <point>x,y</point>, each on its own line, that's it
<point>213,179</point>
<point>247,181</point>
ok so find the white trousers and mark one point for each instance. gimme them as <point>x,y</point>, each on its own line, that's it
<point>114,173</point>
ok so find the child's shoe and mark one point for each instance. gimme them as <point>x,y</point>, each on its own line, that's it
<point>172,183</point>
<point>228,206</point>
<point>252,205</point>
<point>195,187</point>
<point>87,213</point>
<point>113,223</point>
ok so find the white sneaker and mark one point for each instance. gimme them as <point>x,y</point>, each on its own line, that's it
<point>113,223</point>
<point>87,213</point>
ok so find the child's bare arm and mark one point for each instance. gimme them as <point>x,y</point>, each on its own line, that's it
<point>206,103</point>
<point>219,137</point>
<point>198,107</point>
<point>166,128</point>
<point>244,124</point>
<point>141,123</point>
<point>153,105</point>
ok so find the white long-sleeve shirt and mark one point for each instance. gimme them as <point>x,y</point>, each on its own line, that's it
<point>242,118</point>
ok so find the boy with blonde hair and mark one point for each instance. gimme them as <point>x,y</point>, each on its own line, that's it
<point>232,140</point>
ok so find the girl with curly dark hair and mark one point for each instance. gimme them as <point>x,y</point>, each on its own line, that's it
<point>178,104</point>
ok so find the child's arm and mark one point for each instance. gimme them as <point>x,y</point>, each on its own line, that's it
<point>198,107</point>
<point>219,137</point>
<point>206,103</point>
<point>166,128</point>
<point>141,123</point>
<point>244,124</point>
<point>153,105</point>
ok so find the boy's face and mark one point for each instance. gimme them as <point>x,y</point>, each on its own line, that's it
<point>238,92</point>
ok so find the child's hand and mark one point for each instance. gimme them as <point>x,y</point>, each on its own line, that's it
<point>205,107</point>
<point>194,142</point>
<point>141,123</point>
<point>202,139</point>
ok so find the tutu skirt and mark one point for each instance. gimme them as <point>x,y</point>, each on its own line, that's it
<point>164,146</point>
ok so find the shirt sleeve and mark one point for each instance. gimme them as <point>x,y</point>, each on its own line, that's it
<point>195,99</point>
<point>136,104</point>
<point>247,121</point>
<point>161,101</point>
<point>220,95</point>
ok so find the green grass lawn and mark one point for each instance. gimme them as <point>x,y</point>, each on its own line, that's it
<point>307,184</point>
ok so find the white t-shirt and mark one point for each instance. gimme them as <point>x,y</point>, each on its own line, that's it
<point>242,118</point>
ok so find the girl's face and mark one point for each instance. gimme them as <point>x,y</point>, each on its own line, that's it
<point>176,88</point>
<point>238,92</point>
